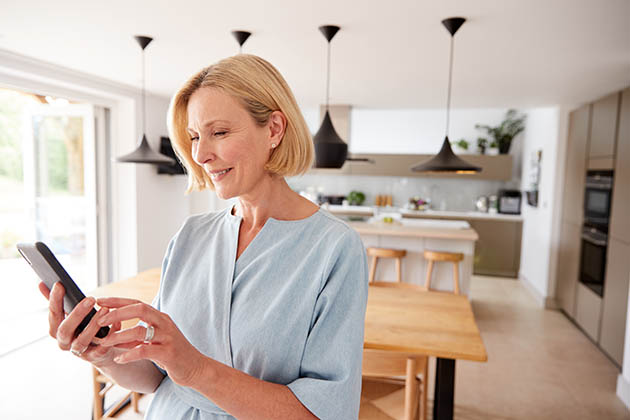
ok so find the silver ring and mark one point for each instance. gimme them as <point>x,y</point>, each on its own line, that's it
<point>149,334</point>
<point>76,352</point>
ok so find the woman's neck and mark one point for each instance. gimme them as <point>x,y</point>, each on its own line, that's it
<point>272,198</point>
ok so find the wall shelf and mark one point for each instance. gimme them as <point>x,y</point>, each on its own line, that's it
<point>495,167</point>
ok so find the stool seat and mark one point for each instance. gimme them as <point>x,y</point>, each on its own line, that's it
<point>443,256</point>
<point>386,252</point>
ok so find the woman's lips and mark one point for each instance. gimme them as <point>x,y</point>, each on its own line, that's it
<point>219,175</point>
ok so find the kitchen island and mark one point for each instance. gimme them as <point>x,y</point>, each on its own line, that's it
<point>497,250</point>
<point>416,236</point>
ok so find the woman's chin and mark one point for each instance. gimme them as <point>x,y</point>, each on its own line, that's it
<point>223,193</point>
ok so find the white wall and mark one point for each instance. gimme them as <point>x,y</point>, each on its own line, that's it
<point>162,205</point>
<point>416,131</point>
<point>543,132</point>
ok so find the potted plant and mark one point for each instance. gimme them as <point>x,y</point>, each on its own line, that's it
<point>461,145</point>
<point>356,198</point>
<point>504,133</point>
<point>493,148</point>
<point>482,143</point>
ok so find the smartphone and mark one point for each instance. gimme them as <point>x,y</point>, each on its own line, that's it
<point>50,271</point>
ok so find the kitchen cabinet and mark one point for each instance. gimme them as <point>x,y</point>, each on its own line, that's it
<point>588,310</point>
<point>498,250</point>
<point>615,301</point>
<point>577,147</point>
<point>496,168</point>
<point>604,127</point>
<point>567,271</point>
<point>620,214</point>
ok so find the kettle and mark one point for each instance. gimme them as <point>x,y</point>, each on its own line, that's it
<point>482,204</point>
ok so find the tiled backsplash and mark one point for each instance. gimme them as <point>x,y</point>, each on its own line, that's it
<point>445,194</point>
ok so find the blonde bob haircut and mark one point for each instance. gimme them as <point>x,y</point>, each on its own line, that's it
<point>261,89</point>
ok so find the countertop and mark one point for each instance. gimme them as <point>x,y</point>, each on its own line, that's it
<point>369,211</point>
<point>426,228</point>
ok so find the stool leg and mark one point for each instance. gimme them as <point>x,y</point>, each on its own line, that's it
<point>398,269</point>
<point>425,389</point>
<point>456,277</point>
<point>411,390</point>
<point>134,401</point>
<point>98,400</point>
<point>373,269</point>
<point>427,284</point>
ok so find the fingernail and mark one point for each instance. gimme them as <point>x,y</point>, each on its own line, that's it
<point>118,359</point>
<point>88,302</point>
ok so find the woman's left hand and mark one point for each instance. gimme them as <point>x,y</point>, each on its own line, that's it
<point>168,347</point>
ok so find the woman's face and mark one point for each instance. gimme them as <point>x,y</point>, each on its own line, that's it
<point>227,142</point>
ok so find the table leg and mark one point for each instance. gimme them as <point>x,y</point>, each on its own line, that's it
<point>443,398</point>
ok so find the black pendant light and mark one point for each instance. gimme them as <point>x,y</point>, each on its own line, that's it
<point>144,153</point>
<point>330,150</point>
<point>241,37</point>
<point>446,161</point>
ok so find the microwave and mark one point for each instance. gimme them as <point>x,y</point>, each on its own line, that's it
<point>597,198</point>
<point>509,202</point>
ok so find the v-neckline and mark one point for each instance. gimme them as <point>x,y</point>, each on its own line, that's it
<point>254,240</point>
<point>239,220</point>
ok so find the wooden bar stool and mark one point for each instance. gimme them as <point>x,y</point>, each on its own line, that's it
<point>436,256</point>
<point>102,385</point>
<point>377,253</point>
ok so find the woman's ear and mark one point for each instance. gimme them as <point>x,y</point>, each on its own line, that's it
<point>277,128</point>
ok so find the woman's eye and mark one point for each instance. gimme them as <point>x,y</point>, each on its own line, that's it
<point>220,133</point>
<point>194,138</point>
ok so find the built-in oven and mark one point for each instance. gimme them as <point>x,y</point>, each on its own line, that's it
<point>597,198</point>
<point>593,259</point>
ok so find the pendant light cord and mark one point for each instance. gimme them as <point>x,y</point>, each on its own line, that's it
<point>450,78</point>
<point>328,78</point>
<point>144,100</point>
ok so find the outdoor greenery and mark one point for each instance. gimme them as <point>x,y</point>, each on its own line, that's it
<point>11,109</point>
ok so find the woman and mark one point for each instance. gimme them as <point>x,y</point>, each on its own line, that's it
<point>261,307</point>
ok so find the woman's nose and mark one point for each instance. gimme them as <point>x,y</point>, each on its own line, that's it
<point>203,151</point>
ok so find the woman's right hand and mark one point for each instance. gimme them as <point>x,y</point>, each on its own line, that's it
<point>63,327</point>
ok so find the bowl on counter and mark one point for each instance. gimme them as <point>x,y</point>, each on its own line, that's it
<point>333,199</point>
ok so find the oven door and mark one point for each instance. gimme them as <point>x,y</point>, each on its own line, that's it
<point>597,205</point>
<point>593,260</point>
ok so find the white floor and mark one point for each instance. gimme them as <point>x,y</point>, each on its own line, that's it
<point>540,366</point>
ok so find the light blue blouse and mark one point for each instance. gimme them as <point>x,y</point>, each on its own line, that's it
<point>290,310</point>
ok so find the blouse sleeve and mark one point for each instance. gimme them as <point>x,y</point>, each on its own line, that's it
<point>330,372</point>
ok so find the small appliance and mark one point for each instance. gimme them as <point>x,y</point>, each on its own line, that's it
<point>597,198</point>
<point>509,202</point>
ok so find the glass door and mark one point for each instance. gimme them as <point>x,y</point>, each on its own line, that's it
<point>50,197</point>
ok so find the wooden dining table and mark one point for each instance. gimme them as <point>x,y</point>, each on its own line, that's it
<point>430,323</point>
<point>425,323</point>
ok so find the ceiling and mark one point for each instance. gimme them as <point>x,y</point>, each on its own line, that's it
<point>388,54</point>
